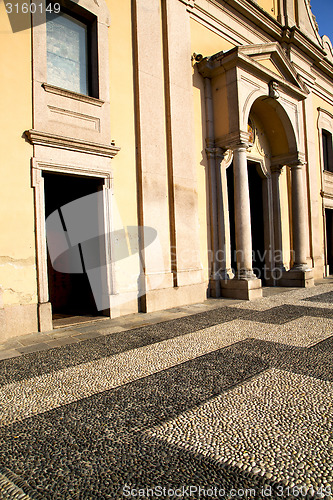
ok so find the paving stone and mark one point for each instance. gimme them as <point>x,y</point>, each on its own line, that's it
<point>62,341</point>
<point>9,353</point>
<point>86,336</point>
<point>33,348</point>
<point>232,397</point>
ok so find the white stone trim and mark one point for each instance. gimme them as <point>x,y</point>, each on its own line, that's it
<point>72,95</point>
<point>36,137</point>
<point>37,169</point>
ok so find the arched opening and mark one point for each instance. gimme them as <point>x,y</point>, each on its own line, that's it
<point>272,143</point>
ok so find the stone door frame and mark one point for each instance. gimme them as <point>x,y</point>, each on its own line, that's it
<point>38,167</point>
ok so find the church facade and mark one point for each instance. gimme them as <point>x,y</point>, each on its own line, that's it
<point>158,152</point>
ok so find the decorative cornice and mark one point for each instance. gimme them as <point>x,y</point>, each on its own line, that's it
<point>56,141</point>
<point>291,159</point>
<point>233,141</point>
<point>72,95</point>
<point>189,3</point>
<point>324,111</point>
<point>289,35</point>
<point>243,56</point>
<point>252,11</point>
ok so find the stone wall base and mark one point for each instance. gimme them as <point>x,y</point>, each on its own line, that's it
<point>295,278</point>
<point>45,317</point>
<point>241,289</point>
<point>18,320</point>
<point>166,298</point>
<point>122,304</point>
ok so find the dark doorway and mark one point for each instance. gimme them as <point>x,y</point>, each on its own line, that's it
<point>329,239</point>
<point>231,202</point>
<point>257,219</point>
<point>70,293</point>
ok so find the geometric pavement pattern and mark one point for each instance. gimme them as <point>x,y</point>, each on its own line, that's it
<point>229,403</point>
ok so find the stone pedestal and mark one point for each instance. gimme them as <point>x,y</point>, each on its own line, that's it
<point>241,289</point>
<point>214,287</point>
<point>302,278</point>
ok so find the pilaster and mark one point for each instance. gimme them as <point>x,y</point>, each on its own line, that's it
<point>153,208</point>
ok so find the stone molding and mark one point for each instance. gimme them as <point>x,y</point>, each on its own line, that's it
<point>325,120</point>
<point>252,12</point>
<point>327,191</point>
<point>243,57</point>
<point>215,153</point>
<point>286,35</point>
<point>234,140</point>
<point>72,95</point>
<point>189,4</point>
<point>36,137</point>
<point>276,169</point>
<point>292,160</point>
<point>39,166</point>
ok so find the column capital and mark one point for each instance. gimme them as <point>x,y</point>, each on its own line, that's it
<point>234,140</point>
<point>214,152</point>
<point>276,169</point>
<point>299,164</point>
<point>291,159</point>
<point>242,146</point>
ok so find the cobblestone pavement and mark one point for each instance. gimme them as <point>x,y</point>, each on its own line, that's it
<point>228,402</point>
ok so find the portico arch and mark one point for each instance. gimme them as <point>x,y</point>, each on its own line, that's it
<point>240,88</point>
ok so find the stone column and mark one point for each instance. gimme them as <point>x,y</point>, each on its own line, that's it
<point>300,275</point>
<point>299,214</point>
<point>276,171</point>
<point>245,285</point>
<point>242,214</point>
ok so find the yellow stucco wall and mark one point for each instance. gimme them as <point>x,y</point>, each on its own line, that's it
<point>269,6</point>
<point>207,43</point>
<point>17,240</point>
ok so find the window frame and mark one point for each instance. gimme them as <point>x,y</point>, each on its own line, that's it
<point>80,14</point>
<point>327,150</point>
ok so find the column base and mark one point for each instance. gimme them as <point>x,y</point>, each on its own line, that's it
<point>241,289</point>
<point>296,277</point>
<point>214,288</point>
<point>215,282</point>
